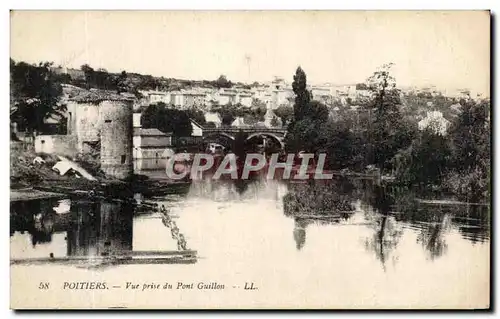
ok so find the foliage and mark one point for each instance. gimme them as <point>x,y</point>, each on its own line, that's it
<point>167,119</point>
<point>223,82</point>
<point>227,118</point>
<point>285,113</point>
<point>315,199</point>
<point>304,132</point>
<point>197,115</point>
<point>304,135</point>
<point>302,95</point>
<point>389,132</point>
<point>210,125</point>
<point>230,112</point>
<point>425,162</point>
<point>341,146</point>
<point>35,93</point>
<point>274,122</point>
<point>361,86</point>
<point>471,152</point>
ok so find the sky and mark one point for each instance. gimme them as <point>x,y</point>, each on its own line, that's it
<point>448,49</point>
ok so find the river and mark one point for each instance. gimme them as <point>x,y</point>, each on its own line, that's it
<point>359,256</point>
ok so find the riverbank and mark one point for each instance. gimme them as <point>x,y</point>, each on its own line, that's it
<point>31,194</point>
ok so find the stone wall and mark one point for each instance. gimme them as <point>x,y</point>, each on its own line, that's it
<point>84,122</point>
<point>64,145</point>
<point>116,138</point>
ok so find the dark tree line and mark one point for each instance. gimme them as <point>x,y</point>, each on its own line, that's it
<point>383,134</point>
<point>230,112</point>
<point>167,120</point>
<point>35,93</point>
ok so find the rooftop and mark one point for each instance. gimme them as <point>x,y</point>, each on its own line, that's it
<point>149,132</point>
<point>82,96</point>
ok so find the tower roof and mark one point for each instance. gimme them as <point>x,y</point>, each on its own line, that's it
<point>97,96</point>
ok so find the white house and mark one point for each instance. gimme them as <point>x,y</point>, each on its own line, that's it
<point>156,96</point>
<point>197,129</point>
<point>245,98</point>
<point>214,118</point>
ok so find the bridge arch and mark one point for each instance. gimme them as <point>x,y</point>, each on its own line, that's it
<point>216,137</point>
<point>215,134</point>
<point>267,134</point>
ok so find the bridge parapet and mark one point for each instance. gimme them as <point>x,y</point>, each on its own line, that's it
<point>235,130</point>
<point>277,134</point>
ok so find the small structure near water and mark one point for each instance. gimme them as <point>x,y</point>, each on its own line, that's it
<point>98,122</point>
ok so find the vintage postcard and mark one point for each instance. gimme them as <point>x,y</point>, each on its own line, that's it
<point>250,159</point>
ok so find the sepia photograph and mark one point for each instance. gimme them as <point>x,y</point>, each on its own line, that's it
<point>250,159</point>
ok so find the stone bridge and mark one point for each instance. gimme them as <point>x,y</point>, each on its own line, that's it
<point>229,133</point>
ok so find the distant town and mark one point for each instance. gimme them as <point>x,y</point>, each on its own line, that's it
<point>276,92</point>
<point>77,110</point>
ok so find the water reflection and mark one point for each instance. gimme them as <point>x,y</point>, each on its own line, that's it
<point>379,218</point>
<point>93,231</point>
<point>299,233</point>
<point>387,213</point>
<point>432,237</point>
<point>100,229</point>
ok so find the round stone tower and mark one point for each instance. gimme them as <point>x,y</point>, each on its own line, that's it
<point>116,137</point>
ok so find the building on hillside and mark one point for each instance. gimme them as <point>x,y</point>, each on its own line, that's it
<point>345,91</point>
<point>153,97</point>
<point>260,93</point>
<point>322,94</point>
<point>214,118</point>
<point>226,96</point>
<point>185,99</point>
<point>73,73</point>
<point>245,98</point>
<point>280,96</point>
<point>177,99</point>
<point>278,83</point>
<point>193,98</point>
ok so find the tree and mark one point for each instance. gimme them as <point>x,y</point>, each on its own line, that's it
<point>285,113</point>
<point>302,95</point>
<point>317,111</point>
<point>222,82</point>
<point>227,119</point>
<point>361,86</point>
<point>197,115</point>
<point>471,148</point>
<point>304,136</point>
<point>388,133</point>
<point>274,122</point>
<point>309,118</point>
<point>35,92</point>
<point>167,120</point>
<point>121,83</point>
<point>425,162</point>
<point>228,113</point>
<point>341,146</point>
<point>101,79</point>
